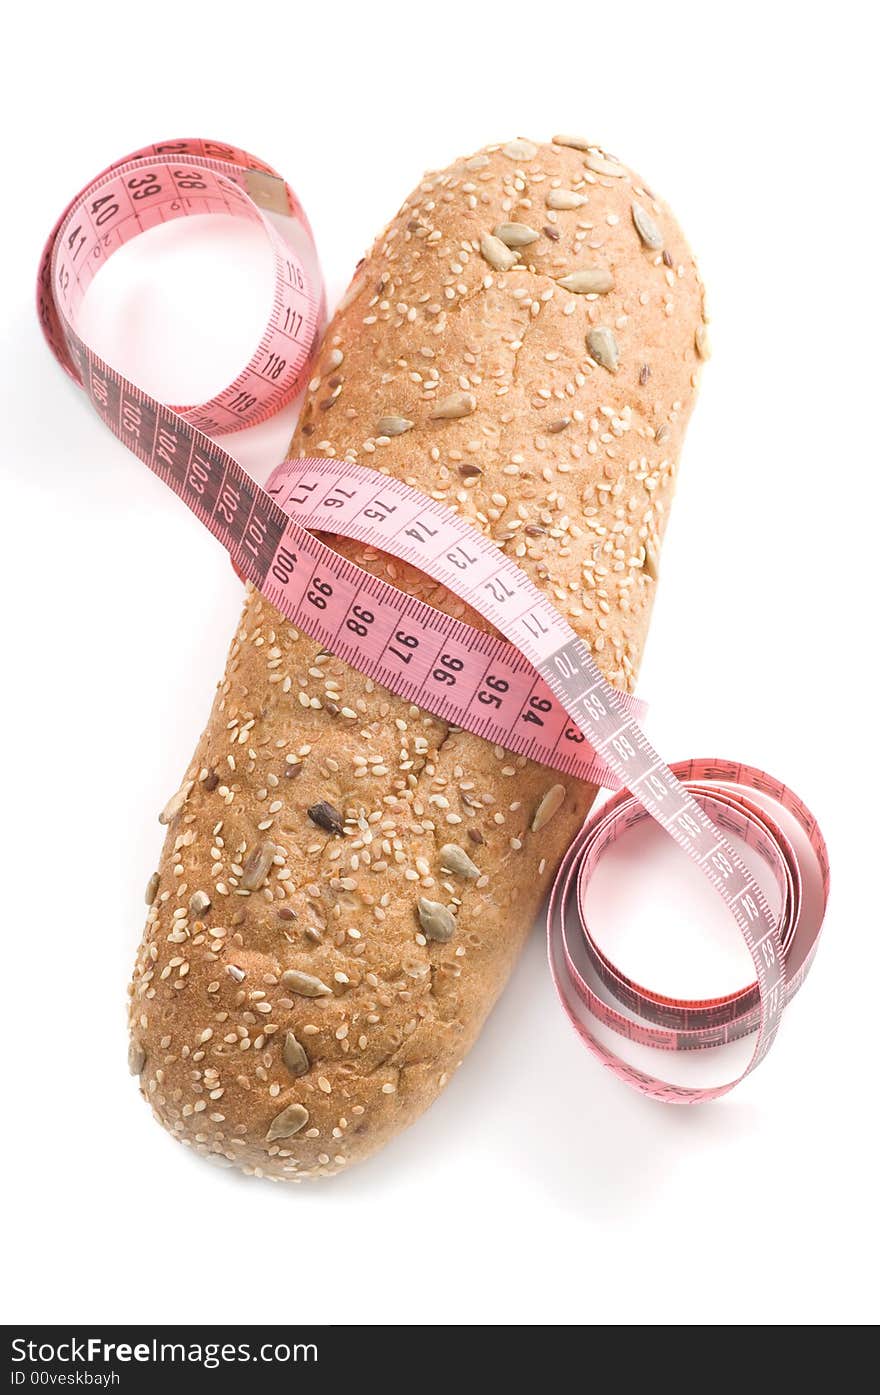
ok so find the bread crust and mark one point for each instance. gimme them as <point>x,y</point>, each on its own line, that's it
<point>580,400</point>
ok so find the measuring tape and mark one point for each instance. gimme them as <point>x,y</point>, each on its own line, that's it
<point>532,687</point>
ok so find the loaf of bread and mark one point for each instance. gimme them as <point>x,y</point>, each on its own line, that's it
<point>346,881</point>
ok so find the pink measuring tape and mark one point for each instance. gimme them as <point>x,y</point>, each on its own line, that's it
<point>537,691</point>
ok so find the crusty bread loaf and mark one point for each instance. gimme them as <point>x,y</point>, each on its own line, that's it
<point>523,343</point>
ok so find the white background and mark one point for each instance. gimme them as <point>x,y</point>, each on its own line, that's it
<point>537,1189</point>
